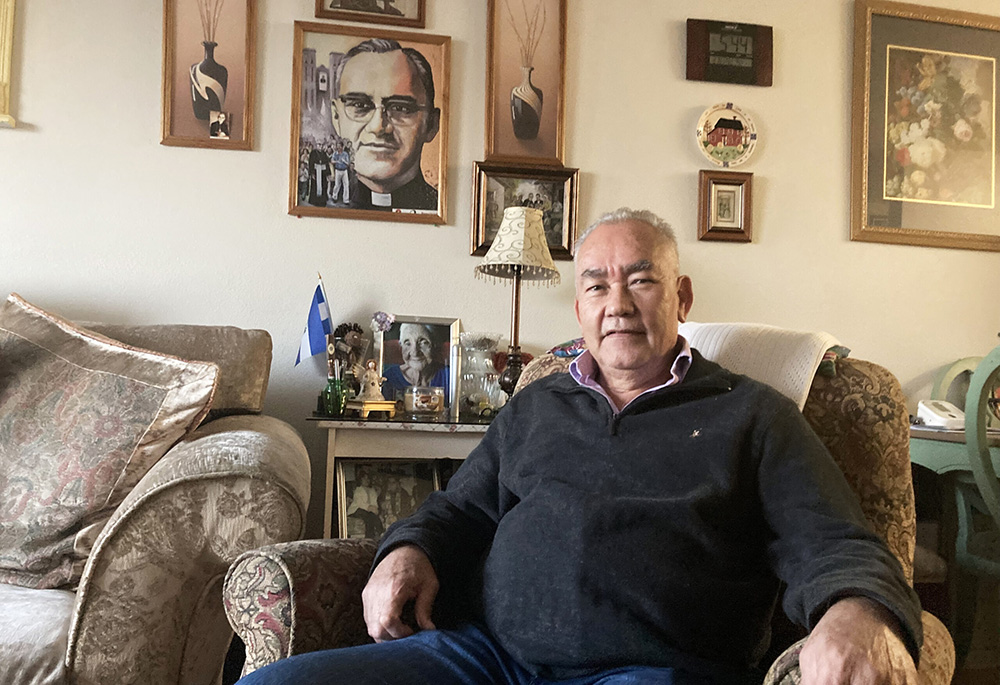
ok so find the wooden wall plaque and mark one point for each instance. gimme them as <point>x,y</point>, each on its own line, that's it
<point>727,52</point>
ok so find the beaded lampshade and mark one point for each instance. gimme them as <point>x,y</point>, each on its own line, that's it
<point>519,252</point>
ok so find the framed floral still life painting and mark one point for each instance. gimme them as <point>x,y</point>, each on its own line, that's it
<point>525,81</point>
<point>372,494</point>
<point>725,206</point>
<point>208,73</point>
<point>924,130</point>
<point>398,12</point>
<point>420,352</point>
<point>369,124</point>
<point>553,191</point>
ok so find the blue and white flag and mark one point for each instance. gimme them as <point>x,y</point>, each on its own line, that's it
<point>317,327</point>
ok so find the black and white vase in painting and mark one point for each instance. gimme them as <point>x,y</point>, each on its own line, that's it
<point>208,84</point>
<point>526,107</point>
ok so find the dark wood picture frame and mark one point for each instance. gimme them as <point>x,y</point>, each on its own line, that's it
<point>317,126</point>
<point>205,55</point>
<point>725,206</point>
<point>525,70</point>
<point>411,17</point>
<point>935,187</point>
<point>557,188</point>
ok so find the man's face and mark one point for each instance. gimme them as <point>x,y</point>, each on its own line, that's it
<point>629,298</point>
<point>383,111</point>
<point>416,345</point>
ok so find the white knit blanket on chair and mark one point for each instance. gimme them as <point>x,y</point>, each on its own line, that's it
<point>784,359</point>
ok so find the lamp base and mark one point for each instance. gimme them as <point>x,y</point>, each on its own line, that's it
<point>508,379</point>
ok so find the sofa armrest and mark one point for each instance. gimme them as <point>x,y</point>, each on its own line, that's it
<point>937,658</point>
<point>148,609</point>
<point>298,597</point>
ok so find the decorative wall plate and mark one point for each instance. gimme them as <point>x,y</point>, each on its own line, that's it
<point>726,135</point>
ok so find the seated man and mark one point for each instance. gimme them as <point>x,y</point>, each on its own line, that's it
<point>630,522</point>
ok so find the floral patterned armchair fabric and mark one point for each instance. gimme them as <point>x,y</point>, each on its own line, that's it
<point>298,597</point>
<point>148,608</point>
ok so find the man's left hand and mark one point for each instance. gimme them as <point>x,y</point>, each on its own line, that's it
<point>856,643</point>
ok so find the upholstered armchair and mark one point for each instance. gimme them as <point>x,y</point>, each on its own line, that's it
<point>148,605</point>
<point>298,597</point>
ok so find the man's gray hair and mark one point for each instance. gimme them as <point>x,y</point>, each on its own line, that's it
<point>623,214</point>
<point>380,46</point>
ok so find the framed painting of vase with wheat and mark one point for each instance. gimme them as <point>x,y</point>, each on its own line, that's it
<point>208,73</point>
<point>525,81</point>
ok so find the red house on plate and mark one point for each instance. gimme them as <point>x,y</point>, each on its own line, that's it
<point>728,132</point>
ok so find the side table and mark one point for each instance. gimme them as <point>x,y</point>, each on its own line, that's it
<point>391,440</point>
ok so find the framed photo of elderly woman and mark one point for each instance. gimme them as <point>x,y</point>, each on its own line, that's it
<point>553,191</point>
<point>372,494</point>
<point>924,131</point>
<point>398,12</point>
<point>525,81</point>
<point>369,124</point>
<point>420,351</point>
<point>208,73</point>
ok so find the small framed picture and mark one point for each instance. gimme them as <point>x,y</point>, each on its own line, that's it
<point>724,206</point>
<point>397,12</point>
<point>372,494</point>
<point>208,74</point>
<point>420,351</point>
<point>369,135</point>
<point>498,186</point>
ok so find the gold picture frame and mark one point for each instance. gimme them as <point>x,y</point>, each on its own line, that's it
<point>410,13</point>
<point>498,186</point>
<point>6,60</point>
<point>209,65</point>
<point>525,72</point>
<point>725,206</point>
<point>335,170</point>
<point>924,133</point>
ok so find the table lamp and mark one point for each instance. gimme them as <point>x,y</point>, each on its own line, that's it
<point>519,253</point>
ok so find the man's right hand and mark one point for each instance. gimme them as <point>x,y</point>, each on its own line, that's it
<point>404,575</point>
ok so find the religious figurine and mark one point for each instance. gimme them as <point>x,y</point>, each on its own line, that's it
<point>371,384</point>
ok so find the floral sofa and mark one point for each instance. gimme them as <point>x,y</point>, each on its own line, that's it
<point>151,474</point>
<point>303,596</point>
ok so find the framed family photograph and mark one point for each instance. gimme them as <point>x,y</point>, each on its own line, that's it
<point>369,124</point>
<point>208,73</point>
<point>924,129</point>
<point>525,81</point>
<point>553,191</point>
<point>420,351</point>
<point>725,206</point>
<point>372,494</point>
<point>397,12</point>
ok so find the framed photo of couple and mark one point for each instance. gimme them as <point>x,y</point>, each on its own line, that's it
<point>924,129</point>
<point>369,124</point>
<point>420,351</point>
<point>552,190</point>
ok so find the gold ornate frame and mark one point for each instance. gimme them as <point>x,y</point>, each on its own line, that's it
<point>179,127</point>
<point>6,60</point>
<point>875,217</point>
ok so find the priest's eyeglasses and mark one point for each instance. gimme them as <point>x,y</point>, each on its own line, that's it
<point>401,111</point>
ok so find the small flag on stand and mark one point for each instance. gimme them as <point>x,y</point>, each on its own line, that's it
<point>317,326</point>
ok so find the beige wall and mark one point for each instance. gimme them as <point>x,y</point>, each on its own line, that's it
<point>98,221</point>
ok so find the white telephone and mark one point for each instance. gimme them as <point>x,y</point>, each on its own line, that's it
<point>940,414</point>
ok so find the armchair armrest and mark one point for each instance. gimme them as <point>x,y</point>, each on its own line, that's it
<point>298,597</point>
<point>936,667</point>
<point>148,609</point>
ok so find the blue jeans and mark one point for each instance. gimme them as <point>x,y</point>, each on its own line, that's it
<point>465,656</point>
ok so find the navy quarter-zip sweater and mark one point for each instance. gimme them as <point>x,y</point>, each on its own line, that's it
<point>656,536</point>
